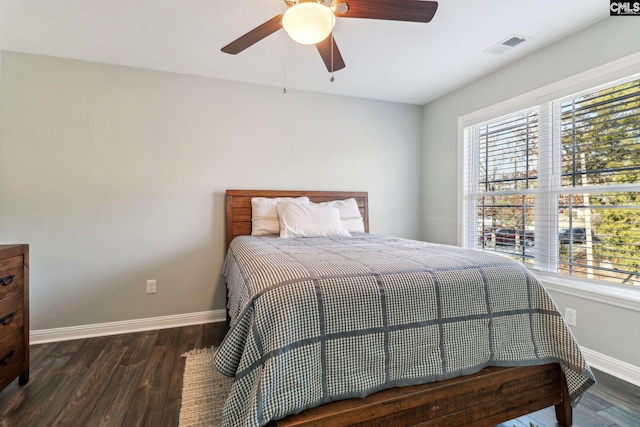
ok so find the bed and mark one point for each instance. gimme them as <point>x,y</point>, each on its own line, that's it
<point>359,377</point>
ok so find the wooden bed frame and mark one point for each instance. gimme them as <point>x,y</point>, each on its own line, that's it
<point>487,398</point>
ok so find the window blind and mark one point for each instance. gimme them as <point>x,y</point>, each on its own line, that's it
<point>557,186</point>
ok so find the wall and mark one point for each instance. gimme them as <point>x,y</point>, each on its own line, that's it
<point>606,41</point>
<point>116,175</point>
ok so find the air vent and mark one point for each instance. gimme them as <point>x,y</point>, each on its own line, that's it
<point>507,44</point>
<point>513,41</point>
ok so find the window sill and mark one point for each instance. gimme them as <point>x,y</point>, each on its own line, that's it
<point>618,296</point>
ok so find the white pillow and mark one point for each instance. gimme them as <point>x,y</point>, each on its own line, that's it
<point>309,220</point>
<point>264,217</point>
<point>349,214</point>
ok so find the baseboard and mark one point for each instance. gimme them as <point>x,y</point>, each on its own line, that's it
<point>42,336</point>
<point>623,370</point>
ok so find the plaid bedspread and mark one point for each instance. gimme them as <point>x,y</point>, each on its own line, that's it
<point>321,319</point>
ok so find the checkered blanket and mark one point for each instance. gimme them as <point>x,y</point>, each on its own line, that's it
<point>321,319</point>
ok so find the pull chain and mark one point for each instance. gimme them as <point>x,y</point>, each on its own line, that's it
<point>332,78</point>
<point>284,89</point>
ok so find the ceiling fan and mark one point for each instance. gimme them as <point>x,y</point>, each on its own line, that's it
<point>324,12</point>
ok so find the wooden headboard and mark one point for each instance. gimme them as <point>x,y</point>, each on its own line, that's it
<point>238,205</point>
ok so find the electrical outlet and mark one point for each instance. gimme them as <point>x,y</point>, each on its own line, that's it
<point>571,316</point>
<point>151,286</point>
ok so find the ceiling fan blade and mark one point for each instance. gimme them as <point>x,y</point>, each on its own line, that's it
<point>392,10</point>
<point>324,48</point>
<point>254,36</point>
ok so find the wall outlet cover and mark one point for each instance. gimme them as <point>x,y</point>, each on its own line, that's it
<point>151,286</point>
<point>571,316</point>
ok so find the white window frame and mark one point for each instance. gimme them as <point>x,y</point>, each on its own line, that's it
<point>617,295</point>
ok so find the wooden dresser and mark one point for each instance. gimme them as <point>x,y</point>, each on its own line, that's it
<point>14,314</point>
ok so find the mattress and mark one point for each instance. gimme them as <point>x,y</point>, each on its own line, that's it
<point>315,320</point>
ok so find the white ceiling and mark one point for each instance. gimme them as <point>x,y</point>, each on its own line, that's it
<point>392,61</point>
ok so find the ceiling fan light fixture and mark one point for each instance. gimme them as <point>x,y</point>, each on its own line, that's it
<point>309,22</point>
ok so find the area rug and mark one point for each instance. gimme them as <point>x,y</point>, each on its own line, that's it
<point>204,390</point>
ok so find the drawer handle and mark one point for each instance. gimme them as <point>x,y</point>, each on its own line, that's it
<point>7,280</point>
<point>8,318</point>
<point>7,357</point>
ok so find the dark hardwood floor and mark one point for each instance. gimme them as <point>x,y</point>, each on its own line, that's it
<point>136,380</point>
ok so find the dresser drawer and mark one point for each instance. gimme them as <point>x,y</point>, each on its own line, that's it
<point>14,314</point>
<point>11,357</point>
<point>11,276</point>
<point>11,315</point>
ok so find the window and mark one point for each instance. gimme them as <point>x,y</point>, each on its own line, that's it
<point>557,186</point>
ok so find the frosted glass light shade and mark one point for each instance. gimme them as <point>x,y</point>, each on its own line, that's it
<point>309,22</point>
